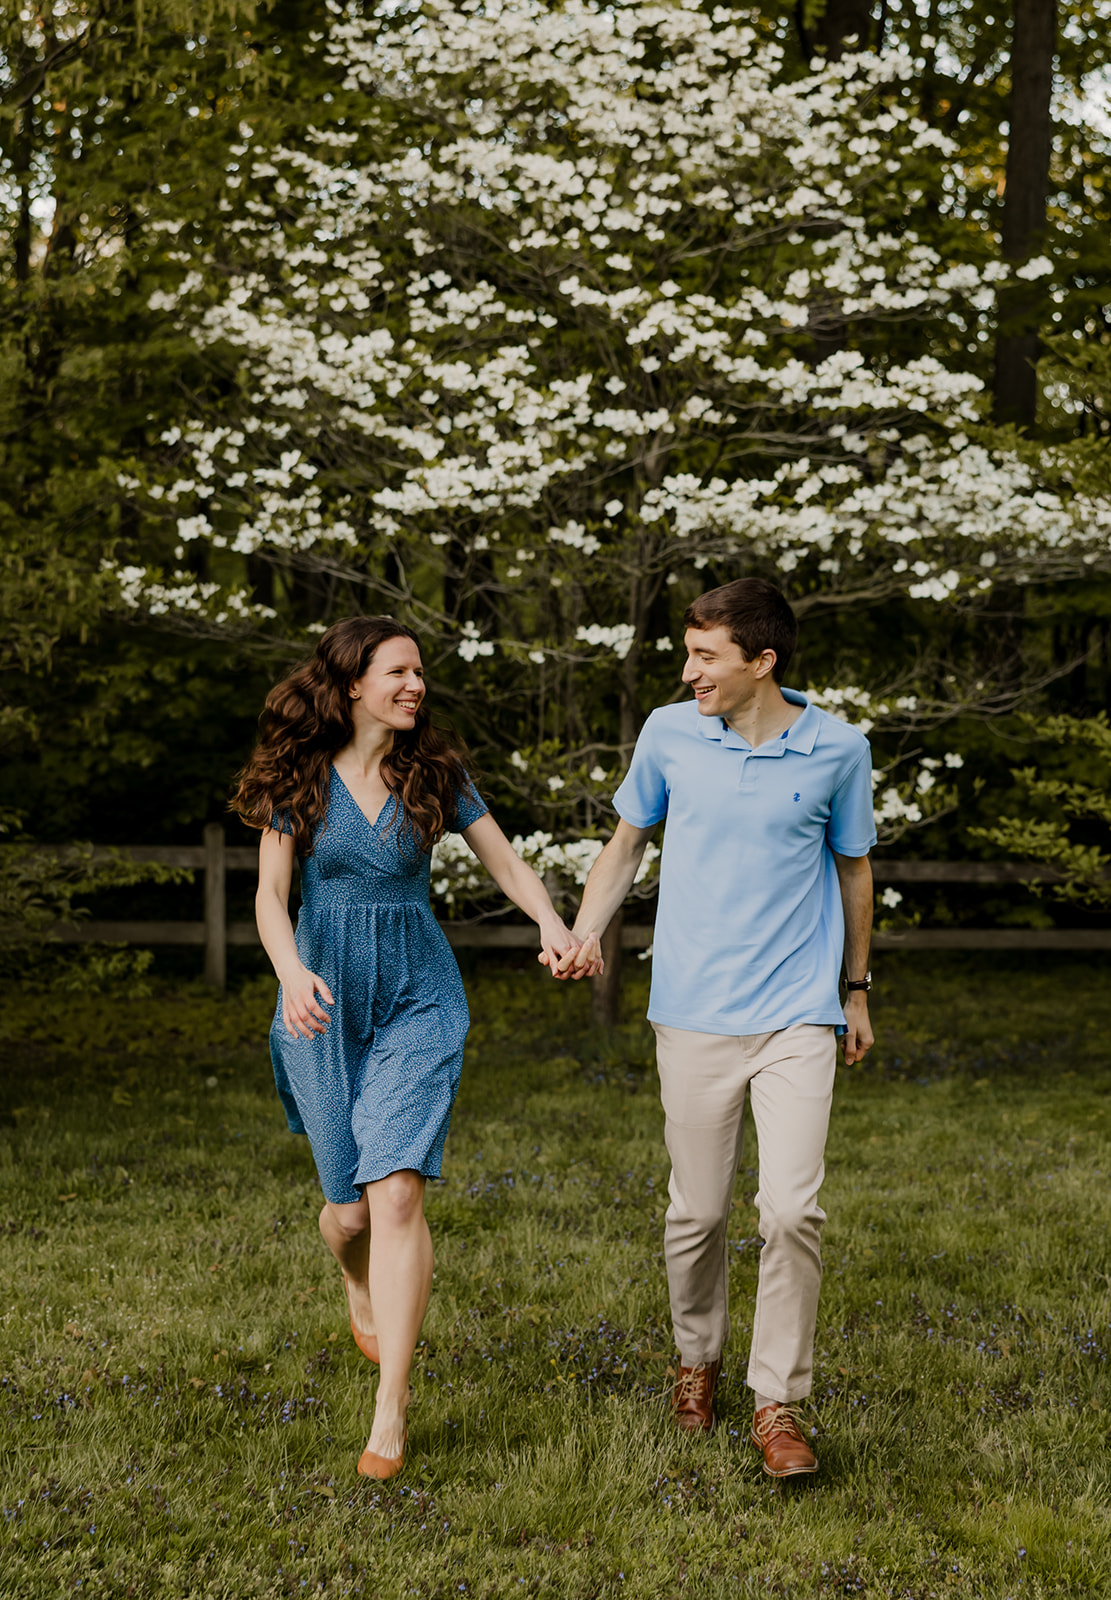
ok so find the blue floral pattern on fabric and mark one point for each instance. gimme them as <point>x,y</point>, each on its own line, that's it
<point>374,1092</point>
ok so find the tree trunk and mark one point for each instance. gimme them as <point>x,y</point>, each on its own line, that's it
<point>605,992</point>
<point>1029,148</point>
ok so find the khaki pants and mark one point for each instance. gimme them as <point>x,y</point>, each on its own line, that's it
<point>703,1078</point>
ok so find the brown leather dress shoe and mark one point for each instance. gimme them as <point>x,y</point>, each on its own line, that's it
<point>776,1431</point>
<point>692,1399</point>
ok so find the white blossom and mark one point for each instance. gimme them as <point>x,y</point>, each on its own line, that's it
<point>588,401</point>
<point>618,638</point>
<point>472,645</point>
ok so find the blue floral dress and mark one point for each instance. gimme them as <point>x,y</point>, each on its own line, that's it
<point>374,1092</point>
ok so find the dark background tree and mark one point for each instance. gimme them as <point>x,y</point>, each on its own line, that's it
<point>1023,309</point>
<point>115,119</point>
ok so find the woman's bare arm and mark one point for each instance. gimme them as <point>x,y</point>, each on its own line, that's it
<point>520,884</point>
<point>301,1009</point>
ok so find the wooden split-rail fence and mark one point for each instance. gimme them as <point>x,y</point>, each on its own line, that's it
<point>215,858</point>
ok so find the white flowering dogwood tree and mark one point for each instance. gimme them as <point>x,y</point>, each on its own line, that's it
<point>557,315</point>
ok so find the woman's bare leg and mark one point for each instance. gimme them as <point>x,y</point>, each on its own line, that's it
<point>400,1282</point>
<point>346,1232</point>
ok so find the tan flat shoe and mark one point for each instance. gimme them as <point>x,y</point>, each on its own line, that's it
<point>372,1465</point>
<point>367,1342</point>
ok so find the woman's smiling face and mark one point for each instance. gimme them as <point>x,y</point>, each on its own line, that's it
<point>392,687</point>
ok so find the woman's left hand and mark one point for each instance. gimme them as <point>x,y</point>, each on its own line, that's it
<point>557,941</point>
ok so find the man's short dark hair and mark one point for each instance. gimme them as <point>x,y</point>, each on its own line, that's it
<point>757,616</point>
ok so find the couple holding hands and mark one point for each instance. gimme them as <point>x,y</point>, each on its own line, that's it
<point>765,892</point>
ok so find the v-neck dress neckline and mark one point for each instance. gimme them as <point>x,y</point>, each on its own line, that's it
<point>391,798</point>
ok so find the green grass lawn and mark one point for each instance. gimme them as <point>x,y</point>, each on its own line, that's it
<point>182,1406</point>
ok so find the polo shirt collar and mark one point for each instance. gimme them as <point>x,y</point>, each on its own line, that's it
<point>801,735</point>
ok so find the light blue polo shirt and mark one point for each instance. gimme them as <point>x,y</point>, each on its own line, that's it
<point>750,929</point>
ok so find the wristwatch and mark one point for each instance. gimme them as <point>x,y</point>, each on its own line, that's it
<point>864,983</point>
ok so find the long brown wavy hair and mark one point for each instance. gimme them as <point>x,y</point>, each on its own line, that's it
<point>307,720</point>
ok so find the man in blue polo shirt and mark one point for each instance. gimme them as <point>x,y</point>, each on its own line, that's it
<point>765,890</point>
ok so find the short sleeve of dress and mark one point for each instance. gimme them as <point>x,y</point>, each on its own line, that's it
<point>642,797</point>
<point>469,806</point>
<point>280,823</point>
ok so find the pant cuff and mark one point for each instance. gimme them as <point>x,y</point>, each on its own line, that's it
<point>776,1391</point>
<point>697,1361</point>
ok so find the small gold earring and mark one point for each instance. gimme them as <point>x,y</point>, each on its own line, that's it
<point>354,696</point>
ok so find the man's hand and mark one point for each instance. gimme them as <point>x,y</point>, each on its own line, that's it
<point>558,945</point>
<point>585,962</point>
<point>859,1039</point>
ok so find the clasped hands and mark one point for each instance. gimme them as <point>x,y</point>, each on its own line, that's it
<point>566,955</point>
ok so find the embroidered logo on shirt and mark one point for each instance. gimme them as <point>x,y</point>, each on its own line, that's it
<point>797,797</point>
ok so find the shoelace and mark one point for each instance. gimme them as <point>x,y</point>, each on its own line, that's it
<point>693,1384</point>
<point>784,1419</point>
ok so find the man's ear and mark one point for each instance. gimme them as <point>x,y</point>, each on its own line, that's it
<point>765,663</point>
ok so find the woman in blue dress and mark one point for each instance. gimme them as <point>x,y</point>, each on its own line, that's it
<point>367,1040</point>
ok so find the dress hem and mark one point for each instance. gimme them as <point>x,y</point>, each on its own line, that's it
<point>389,1171</point>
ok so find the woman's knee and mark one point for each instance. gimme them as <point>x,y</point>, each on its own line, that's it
<point>397,1200</point>
<point>350,1221</point>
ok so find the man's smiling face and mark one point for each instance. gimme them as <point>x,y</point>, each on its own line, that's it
<point>723,681</point>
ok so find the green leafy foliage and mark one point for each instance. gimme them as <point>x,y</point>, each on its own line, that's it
<point>113,119</point>
<point>1072,841</point>
<point>41,888</point>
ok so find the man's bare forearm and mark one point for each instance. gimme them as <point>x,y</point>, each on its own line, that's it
<point>854,874</point>
<point>611,877</point>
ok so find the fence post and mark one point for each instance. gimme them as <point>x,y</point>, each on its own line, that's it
<point>215,906</point>
<point>605,992</point>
